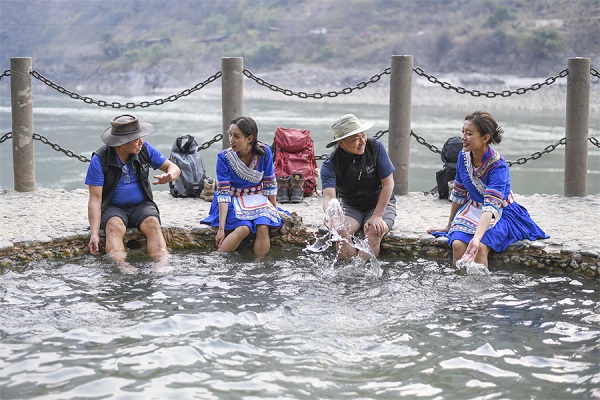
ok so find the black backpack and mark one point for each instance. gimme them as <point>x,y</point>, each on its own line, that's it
<point>449,156</point>
<point>185,155</point>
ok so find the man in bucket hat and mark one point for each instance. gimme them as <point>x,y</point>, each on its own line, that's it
<point>120,191</point>
<point>359,173</point>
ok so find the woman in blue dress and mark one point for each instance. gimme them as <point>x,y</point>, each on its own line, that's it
<point>245,201</point>
<point>483,214</point>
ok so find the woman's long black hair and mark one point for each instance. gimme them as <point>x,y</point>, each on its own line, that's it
<point>248,127</point>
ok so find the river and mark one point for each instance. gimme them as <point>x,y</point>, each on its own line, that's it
<point>76,126</point>
<point>296,325</point>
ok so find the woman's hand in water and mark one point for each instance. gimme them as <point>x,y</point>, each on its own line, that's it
<point>471,252</point>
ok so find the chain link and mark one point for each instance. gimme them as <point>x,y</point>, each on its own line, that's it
<point>477,93</point>
<point>5,137</point>
<point>5,73</point>
<point>143,104</point>
<point>57,147</point>
<point>316,95</point>
<point>594,141</point>
<point>215,139</point>
<point>421,140</point>
<point>537,154</point>
<point>594,72</point>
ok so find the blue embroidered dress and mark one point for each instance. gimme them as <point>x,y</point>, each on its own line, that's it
<point>487,188</point>
<point>245,188</point>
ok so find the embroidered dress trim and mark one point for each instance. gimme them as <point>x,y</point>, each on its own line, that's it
<point>480,186</point>
<point>477,174</point>
<point>237,192</point>
<point>223,192</point>
<point>252,206</point>
<point>459,193</point>
<point>246,172</point>
<point>269,185</point>
<point>467,218</point>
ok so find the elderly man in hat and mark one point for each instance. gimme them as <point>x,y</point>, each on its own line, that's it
<point>359,173</point>
<point>120,191</point>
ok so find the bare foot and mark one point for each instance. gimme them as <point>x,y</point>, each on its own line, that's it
<point>127,268</point>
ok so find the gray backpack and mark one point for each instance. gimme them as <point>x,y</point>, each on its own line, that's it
<point>185,155</point>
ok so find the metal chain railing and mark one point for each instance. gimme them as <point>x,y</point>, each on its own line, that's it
<point>5,137</point>
<point>143,104</point>
<point>316,95</point>
<point>217,138</point>
<point>537,154</point>
<point>518,161</point>
<point>47,141</point>
<point>477,93</point>
<point>81,158</point>
<point>422,141</point>
<point>59,148</point>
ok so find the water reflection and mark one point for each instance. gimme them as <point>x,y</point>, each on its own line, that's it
<point>294,326</point>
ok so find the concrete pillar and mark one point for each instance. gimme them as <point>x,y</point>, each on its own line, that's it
<point>400,120</point>
<point>21,95</point>
<point>577,127</point>
<point>232,88</point>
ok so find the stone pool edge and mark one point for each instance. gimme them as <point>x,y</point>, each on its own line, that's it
<point>539,255</point>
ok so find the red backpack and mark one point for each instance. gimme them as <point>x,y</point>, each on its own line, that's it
<point>295,152</point>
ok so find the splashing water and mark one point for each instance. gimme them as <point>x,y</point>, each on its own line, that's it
<point>336,222</point>
<point>471,268</point>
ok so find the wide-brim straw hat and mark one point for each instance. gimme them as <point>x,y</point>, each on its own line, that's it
<point>125,128</point>
<point>347,125</point>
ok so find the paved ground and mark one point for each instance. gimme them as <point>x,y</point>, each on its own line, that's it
<point>45,215</point>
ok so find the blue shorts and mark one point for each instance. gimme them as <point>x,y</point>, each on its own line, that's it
<point>132,216</point>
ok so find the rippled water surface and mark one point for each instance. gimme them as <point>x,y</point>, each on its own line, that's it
<point>294,326</point>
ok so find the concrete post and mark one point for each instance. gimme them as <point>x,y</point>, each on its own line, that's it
<point>577,127</point>
<point>232,92</point>
<point>21,95</point>
<point>400,120</point>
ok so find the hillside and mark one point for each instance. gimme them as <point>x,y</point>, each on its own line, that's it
<point>159,43</point>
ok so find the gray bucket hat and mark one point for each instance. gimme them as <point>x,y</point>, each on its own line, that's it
<point>124,129</point>
<point>347,125</point>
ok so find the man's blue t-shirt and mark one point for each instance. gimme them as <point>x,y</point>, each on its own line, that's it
<point>384,167</point>
<point>125,193</point>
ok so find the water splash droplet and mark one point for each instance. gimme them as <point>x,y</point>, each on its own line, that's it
<point>336,222</point>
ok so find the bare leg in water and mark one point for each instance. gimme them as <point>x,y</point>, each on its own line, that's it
<point>115,230</point>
